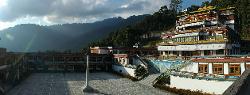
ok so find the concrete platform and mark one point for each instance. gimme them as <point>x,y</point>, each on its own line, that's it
<point>71,83</point>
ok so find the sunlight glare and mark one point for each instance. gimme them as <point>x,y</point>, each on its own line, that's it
<point>3,3</point>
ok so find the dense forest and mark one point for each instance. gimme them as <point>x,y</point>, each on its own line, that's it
<point>128,36</point>
<point>164,20</point>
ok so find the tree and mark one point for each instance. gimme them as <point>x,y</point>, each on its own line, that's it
<point>193,8</point>
<point>243,18</point>
<point>223,3</point>
<point>128,36</point>
<point>176,5</point>
<point>206,3</point>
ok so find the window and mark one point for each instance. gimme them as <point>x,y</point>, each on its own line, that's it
<point>197,53</point>
<point>175,52</point>
<point>203,68</point>
<point>218,69</point>
<point>206,52</point>
<point>234,69</point>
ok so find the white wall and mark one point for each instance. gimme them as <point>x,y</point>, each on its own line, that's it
<point>124,70</point>
<point>216,87</point>
<point>193,67</point>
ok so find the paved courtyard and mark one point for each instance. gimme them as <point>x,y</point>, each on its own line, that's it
<point>71,83</point>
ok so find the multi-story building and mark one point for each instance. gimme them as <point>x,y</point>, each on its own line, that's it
<point>207,31</point>
<point>208,41</point>
<point>208,37</point>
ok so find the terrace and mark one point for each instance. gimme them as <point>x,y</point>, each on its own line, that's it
<point>202,76</point>
<point>72,83</point>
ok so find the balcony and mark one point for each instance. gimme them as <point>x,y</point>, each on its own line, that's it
<point>201,42</point>
<point>198,23</point>
<point>195,47</point>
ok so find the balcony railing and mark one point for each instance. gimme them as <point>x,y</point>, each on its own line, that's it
<point>199,42</point>
<point>174,57</point>
<point>211,21</point>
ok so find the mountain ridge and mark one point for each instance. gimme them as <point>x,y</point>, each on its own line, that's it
<point>61,37</point>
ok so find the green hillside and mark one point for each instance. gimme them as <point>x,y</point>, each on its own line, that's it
<point>128,36</point>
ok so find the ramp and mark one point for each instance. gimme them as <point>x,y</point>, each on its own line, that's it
<point>149,79</point>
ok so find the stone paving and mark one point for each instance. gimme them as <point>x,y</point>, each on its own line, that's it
<point>72,83</point>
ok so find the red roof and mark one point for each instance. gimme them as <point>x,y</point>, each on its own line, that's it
<point>225,60</point>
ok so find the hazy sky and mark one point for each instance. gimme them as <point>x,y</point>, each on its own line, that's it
<point>48,12</point>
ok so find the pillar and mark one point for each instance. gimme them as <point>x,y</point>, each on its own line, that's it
<point>214,52</point>
<point>163,53</point>
<point>226,67</point>
<point>225,52</point>
<point>211,52</point>
<point>127,60</point>
<point>202,52</point>
<point>18,73</point>
<point>210,68</point>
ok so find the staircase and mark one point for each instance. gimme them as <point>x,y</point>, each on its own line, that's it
<point>149,79</point>
<point>152,69</point>
<point>155,70</point>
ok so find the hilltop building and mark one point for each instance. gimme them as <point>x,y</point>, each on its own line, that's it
<point>208,37</point>
<point>208,40</point>
<point>205,32</point>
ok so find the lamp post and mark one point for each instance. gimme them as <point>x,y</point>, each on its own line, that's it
<point>86,86</point>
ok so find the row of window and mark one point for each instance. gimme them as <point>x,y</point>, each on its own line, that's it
<point>234,69</point>
<point>195,53</point>
<point>195,38</point>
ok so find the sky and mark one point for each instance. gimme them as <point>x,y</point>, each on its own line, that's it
<point>49,12</point>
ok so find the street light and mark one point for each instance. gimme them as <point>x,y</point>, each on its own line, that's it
<point>86,86</point>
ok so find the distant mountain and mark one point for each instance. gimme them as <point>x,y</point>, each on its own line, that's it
<point>31,37</point>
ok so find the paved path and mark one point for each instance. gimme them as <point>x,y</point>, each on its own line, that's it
<point>71,83</point>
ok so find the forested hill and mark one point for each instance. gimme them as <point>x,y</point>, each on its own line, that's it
<point>164,19</point>
<point>31,37</point>
<point>128,36</point>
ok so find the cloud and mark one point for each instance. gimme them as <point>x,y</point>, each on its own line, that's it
<point>72,11</point>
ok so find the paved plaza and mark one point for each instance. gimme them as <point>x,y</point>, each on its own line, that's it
<point>71,83</point>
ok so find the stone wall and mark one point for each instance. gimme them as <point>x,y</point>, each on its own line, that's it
<point>240,86</point>
<point>213,87</point>
<point>124,70</point>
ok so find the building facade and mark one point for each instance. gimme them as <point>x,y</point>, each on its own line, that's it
<point>205,32</point>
